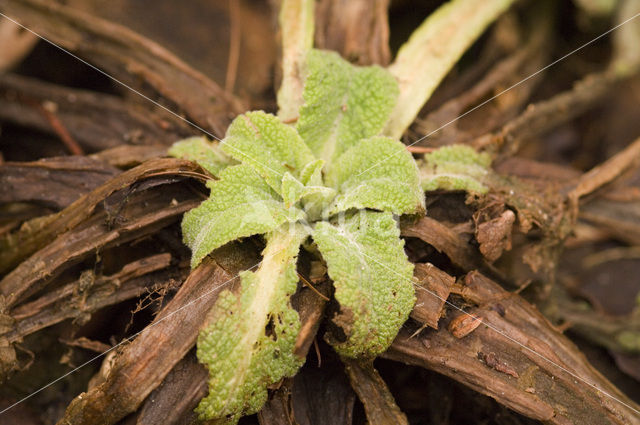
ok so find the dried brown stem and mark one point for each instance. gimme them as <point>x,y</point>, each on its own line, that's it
<point>619,334</point>
<point>127,156</point>
<point>234,46</point>
<point>131,58</point>
<point>145,214</point>
<point>493,361</point>
<point>548,114</point>
<point>15,44</point>
<point>508,71</point>
<point>96,121</point>
<point>379,405</point>
<point>142,365</point>
<point>420,149</point>
<point>432,290</point>
<point>357,29</point>
<point>186,384</point>
<point>278,409</point>
<point>58,128</point>
<point>52,182</point>
<point>621,220</point>
<point>606,172</point>
<point>444,239</point>
<point>181,390</point>
<point>72,300</point>
<point>35,234</point>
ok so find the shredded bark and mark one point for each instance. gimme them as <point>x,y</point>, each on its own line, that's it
<point>432,291</point>
<point>279,409</point>
<point>380,407</point>
<point>142,365</point>
<point>541,390</point>
<point>173,401</point>
<point>323,395</point>
<point>52,182</point>
<point>444,239</point>
<point>78,298</point>
<point>148,214</point>
<point>33,234</point>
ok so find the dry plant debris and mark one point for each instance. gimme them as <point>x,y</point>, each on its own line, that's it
<point>531,228</point>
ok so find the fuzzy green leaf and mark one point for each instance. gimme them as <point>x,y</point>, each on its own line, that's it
<point>316,196</point>
<point>377,173</point>
<point>241,205</point>
<point>272,148</point>
<point>372,277</point>
<point>293,191</point>
<point>248,343</point>
<point>311,174</point>
<point>343,104</point>
<point>205,153</point>
<point>455,167</point>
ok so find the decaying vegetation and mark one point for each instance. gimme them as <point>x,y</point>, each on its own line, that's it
<point>537,259</point>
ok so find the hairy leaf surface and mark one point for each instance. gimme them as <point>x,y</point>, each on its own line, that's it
<point>343,104</point>
<point>205,153</point>
<point>241,205</point>
<point>311,174</point>
<point>293,191</point>
<point>455,167</point>
<point>372,277</point>
<point>249,340</point>
<point>377,173</point>
<point>317,196</point>
<point>272,148</point>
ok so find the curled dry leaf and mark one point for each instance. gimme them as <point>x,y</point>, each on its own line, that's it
<point>494,235</point>
<point>464,324</point>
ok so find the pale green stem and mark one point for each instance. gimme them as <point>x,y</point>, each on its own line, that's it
<point>597,7</point>
<point>297,26</point>
<point>431,52</point>
<point>626,58</point>
<point>282,247</point>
